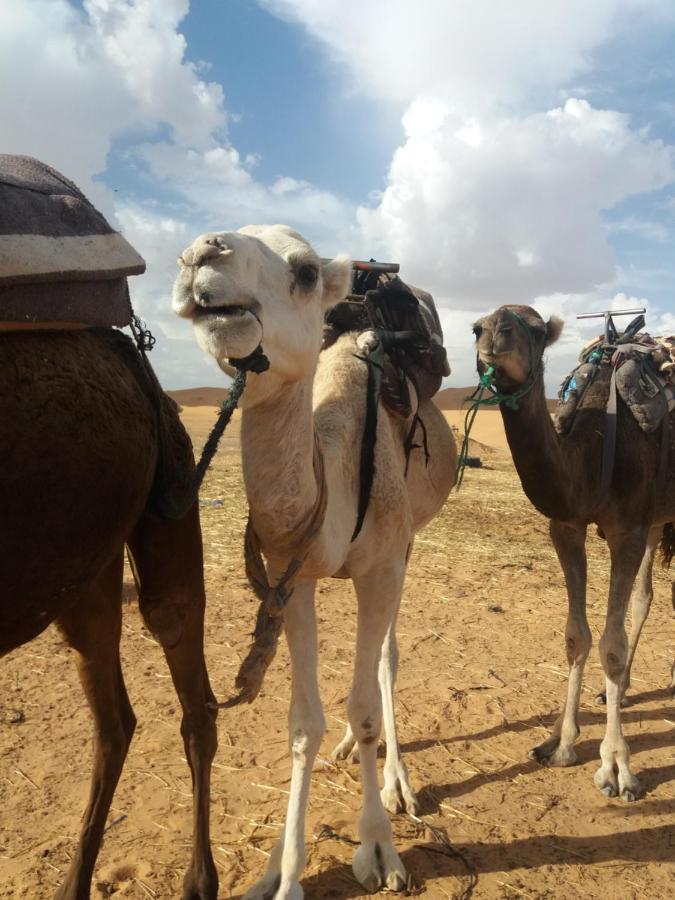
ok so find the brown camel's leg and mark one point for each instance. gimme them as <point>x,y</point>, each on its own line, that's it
<point>643,594</point>
<point>570,545</point>
<point>92,627</point>
<point>627,550</point>
<point>672,671</point>
<point>167,560</point>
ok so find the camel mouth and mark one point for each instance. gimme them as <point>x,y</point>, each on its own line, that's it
<point>220,312</point>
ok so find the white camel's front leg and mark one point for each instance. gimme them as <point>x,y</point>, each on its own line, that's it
<point>306,727</point>
<point>376,862</point>
<point>614,775</point>
<point>397,795</point>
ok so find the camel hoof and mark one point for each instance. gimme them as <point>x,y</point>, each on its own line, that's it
<point>201,887</point>
<point>377,865</point>
<point>346,750</point>
<point>606,782</point>
<point>551,754</point>
<point>631,788</point>
<point>399,799</point>
<point>269,888</point>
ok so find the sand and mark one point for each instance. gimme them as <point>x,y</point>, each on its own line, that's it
<point>482,676</point>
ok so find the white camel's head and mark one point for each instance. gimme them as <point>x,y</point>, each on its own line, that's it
<point>261,284</point>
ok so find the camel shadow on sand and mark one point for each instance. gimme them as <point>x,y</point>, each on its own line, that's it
<point>468,860</point>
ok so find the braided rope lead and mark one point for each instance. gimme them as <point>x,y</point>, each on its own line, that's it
<point>173,507</point>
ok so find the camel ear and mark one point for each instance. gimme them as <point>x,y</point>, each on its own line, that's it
<point>337,280</point>
<point>554,328</point>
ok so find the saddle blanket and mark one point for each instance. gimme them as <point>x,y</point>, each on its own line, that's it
<point>60,260</point>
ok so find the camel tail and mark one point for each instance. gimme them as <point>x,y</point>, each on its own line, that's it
<point>667,545</point>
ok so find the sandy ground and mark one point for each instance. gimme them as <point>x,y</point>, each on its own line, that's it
<point>482,675</point>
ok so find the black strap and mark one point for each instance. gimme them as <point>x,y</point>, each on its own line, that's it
<point>374,359</point>
<point>609,439</point>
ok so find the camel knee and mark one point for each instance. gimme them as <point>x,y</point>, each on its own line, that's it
<point>200,736</point>
<point>613,654</point>
<point>365,717</point>
<point>577,644</point>
<point>305,736</point>
<point>164,617</point>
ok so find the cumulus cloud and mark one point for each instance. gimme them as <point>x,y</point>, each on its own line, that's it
<point>506,209</point>
<point>85,77</point>
<point>469,54</point>
<point>498,194</point>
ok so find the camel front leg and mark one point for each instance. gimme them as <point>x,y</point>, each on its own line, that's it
<point>614,775</point>
<point>376,862</point>
<point>397,795</point>
<point>570,545</point>
<point>643,594</point>
<point>306,727</point>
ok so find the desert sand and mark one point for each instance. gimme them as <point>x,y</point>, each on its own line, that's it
<point>482,677</point>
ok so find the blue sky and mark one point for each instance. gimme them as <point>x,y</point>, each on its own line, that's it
<point>501,152</point>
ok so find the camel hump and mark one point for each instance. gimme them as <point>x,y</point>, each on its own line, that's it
<point>408,323</point>
<point>60,260</point>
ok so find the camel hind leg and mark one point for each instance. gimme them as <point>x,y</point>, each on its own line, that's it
<point>168,568</point>
<point>92,627</point>
<point>643,594</point>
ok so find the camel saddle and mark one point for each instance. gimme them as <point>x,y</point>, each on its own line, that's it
<point>61,264</point>
<point>405,357</point>
<point>406,322</point>
<point>642,375</point>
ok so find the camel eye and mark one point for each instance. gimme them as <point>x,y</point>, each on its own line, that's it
<point>307,275</point>
<point>477,330</point>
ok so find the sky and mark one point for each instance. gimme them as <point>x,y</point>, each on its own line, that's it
<point>502,151</point>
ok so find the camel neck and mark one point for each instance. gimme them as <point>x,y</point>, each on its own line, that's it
<point>537,454</point>
<point>277,440</point>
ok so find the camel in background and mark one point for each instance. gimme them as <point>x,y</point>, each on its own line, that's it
<point>561,475</point>
<point>81,463</point>
<point>301,432</point>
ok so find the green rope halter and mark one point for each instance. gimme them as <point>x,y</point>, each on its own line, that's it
<point>486,383</point>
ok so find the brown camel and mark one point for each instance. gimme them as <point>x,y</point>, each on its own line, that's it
<point>561,475</point>
<point>80,468</point>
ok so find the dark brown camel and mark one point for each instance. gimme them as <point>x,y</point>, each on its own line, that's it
<point>80,466</point>
<point>561,475</point>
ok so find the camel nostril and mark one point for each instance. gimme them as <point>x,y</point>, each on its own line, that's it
<point>204,297</point>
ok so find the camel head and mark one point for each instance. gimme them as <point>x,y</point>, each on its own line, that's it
<point>261,285</point>
<point>512,341</point>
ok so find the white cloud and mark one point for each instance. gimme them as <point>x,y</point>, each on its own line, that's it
<point>517,213</point>
<point>74,80</point>
<point>470,54</point>
<point>494,196</point>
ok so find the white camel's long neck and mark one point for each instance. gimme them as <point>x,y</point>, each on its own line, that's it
<point>277,441</point>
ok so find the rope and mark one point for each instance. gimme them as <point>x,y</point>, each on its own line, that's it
<point>496,398</point>
<point>274,599</point>
<point>169,505</point>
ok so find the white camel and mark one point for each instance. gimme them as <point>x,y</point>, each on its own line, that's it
<point>266,283</point>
